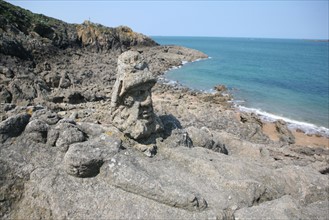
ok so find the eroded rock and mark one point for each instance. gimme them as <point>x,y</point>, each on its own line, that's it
<point>282,208</point>
<point>85,159</point>
<point>131,103</point>
<point>37,130</point>
<point>13,126</point>
<point>203,138</point>
<point>285,134</point>
<point>65,133</point>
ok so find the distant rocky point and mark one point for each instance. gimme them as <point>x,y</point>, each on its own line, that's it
<point>88,132</point>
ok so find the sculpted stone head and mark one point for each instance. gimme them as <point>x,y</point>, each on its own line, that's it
<point>131,103</point>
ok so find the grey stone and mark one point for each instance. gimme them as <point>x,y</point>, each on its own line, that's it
<point>37,130</point>
<point>283,208</point>
<point>131,103</point>
<point>13,126</point>
<point>203,138</point>
<point>122,169</point>
<point>65,81</point>
<point>8,107</point>
<point>285,134</point>
<point>45,115</point>
<point>5,95</point>
<point>68,133</point>
<point>42,89</point>
<point>22,90</point>
<point>178,137</point>
<point>85,159</point>
<point>7,72</point>
<point>64,133</point>
<point>287,181</point>
<point>316,210</point>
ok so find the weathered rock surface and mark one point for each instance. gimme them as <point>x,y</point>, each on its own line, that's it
<point>178,183</point>
<point>282,208</point>
<point>285,134</point>
<point>85,159</point>
<point>203,138</point>
<point>131,103</point>
<point>13,126</point>
<point>63,157</point>
<point>38,130</point>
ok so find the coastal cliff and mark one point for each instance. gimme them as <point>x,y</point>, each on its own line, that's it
<point>67,150</point>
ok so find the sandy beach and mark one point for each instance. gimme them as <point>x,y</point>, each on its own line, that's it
<point>300,137</point>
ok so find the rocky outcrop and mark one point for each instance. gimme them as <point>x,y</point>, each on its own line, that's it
<point>67,150</point>
<point>122,182</point>
<point>101,38</point>
<point>13,126</point>
<point>285,134</point>
<point>162,58</point>
<point>22,32</point>
<point>47,60</point>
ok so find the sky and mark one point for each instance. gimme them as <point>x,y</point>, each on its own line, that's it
<point>298,19</point>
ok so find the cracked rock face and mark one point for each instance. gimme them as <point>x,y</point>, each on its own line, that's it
<point>131,104</point>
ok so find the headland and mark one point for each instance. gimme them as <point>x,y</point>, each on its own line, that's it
<point>87,133</point>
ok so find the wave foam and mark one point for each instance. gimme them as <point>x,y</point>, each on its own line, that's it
<point>307,128</point>
<point>184,62</point>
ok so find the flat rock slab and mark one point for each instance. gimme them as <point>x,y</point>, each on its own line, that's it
<point>84,159</point>
<point>283,208</point>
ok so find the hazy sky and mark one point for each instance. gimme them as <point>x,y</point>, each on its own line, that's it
<point>270,19</point>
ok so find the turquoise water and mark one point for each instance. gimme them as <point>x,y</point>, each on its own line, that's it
<point>273,77</point>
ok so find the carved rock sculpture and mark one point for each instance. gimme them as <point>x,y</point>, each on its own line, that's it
<point>131,104</point>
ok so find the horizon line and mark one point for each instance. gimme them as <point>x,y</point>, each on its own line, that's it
<point>278,38</point>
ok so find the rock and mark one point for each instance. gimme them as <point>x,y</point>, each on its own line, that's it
<point>47,66</point>
<point>9,46</point>
<point>53,79</point>
<point>131,103</point>
<point>85,159</point>
<point>45,115</point>
<point>5,95</point>
<point>75,97</point>
<point>246,117</point>
<point>161,58</point>
<point>178,137</point>
<point>283,208</point>
<point>99,38</point>
<point>37,130</point>
<point>220,88</point>
<point>203,138</point>
<point>64,134</point>
<point>285,134</point>
<point>7,72</point>
<point>193,183</point>
<point>149,150</point>
<point>170,123</point>
<point>70,68</point>
<point>65,81</point>
<point>121,169</point>
<point>13,126</point>
<point>316,210</point>
<point>22,90</point>
<point>42,89</point>
<point>8,107</point>
<point>245,149</point>
<point>91,129</point>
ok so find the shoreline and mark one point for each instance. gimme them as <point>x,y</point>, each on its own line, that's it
<point>293,125</point>
<point>81,111</point>
<point>304,132</point>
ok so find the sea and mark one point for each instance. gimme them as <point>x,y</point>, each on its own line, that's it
<point>274,78</point>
